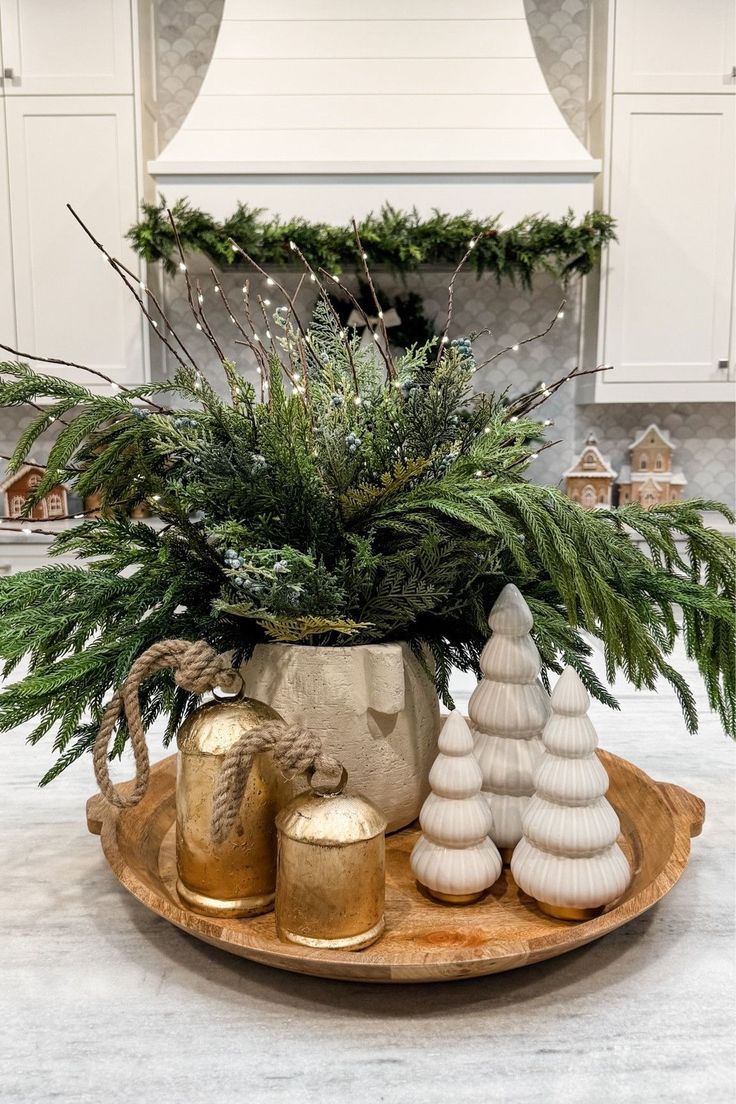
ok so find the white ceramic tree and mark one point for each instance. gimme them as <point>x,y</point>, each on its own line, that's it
<point>568,858</point>
<point>454,858</point>
<point>508,710</point>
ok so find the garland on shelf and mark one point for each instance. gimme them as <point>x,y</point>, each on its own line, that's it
<point>400,240</point>
<point>360,496</point>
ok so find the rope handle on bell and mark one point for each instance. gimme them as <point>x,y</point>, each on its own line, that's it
<point>295,750</point>
<point>197,668</point>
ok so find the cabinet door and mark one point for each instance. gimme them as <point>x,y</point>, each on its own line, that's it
<point>7,297</point>
<point>69,303</point>
<point>668,282</point>
<point>67,47</point>
<point>675,46</point>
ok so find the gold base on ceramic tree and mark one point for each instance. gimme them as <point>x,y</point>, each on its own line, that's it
<point>562,912</point>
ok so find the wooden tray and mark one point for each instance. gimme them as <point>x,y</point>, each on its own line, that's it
<point>424,940</point>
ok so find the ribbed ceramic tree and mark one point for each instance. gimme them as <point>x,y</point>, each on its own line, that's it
<point>454,858</point>
<point>508,710</point>
<point>568,858</point>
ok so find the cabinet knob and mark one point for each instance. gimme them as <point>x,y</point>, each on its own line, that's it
<point>9,74</point>
<point>722,365</point>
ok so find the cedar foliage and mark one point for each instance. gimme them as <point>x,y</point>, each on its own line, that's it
<point>357,504</point>
<point>400,240</point>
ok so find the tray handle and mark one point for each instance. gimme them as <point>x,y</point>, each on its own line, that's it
<point>96,807</point>
<point>685,806</point>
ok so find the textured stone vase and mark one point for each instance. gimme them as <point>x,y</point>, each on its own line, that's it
<point>373,706</point>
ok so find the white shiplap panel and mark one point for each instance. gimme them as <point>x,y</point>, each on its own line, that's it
<point>379,9</point>
<point>392,76</point>
<point>479,38</point>
<point>304,146</point>
<point>298,111</point>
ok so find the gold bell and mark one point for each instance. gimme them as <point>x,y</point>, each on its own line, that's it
<point>238,876</point>
<point>330,886</point>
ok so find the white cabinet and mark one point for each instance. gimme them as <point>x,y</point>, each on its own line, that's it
<point>78,150</point>
<point>675,46</point>
<point>75,127</point>
<point>669,280</point>
<point>7,287</point>
<point>664,314</point>
<point>74,47</point>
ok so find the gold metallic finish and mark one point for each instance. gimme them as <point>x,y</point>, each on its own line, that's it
<point>456,898</point>
<point>330,888</point>
<point>236,877</point>
<point>560,912</point>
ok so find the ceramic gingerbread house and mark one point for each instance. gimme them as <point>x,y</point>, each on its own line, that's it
<point>649,479</point>
<point>589,482</point>
<point>17,487</point>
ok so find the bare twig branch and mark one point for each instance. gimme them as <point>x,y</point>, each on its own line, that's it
<point>530,402</point>
<point>138,298</point>
<point>525,341</point>
<point>390,366</point>
<point>451,297</point>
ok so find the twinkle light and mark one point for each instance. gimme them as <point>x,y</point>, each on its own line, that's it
<point>256,337</point>
<point>445,339</point>
<point>534,456</point>
<point>268,334</point>
<point>26,530</point>
<point>471,243</point>
<point>546,392</point>
<point>182,266</point>
<point>514,419</point>
<point>479,474</point>
<point>380,314</point>
<point>232,319</point>
<point>365,256</point>
<point>258,369</point>
<point>142,286</point>
<point>200,298</point>
<point>216,289</point>
<point>547,422</point>
<point>561,314</point>
<point>197,382</point>
<point>155,498</point>
<point>487,429</point>
<point>269,281</point>
<point>357,400</point>
<point>375,337</point>
<point>266,302</point>
<point>514,348</point>
<point>292,246</point>
<point>154,323</point>
<point>312,277</point>
<point>336,279</point>
<point>198,326</point>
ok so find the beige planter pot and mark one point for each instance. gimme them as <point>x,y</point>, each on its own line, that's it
<point>373,706</point>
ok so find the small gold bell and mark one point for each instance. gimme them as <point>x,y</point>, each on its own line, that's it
<point>330,886</point>
<point>238,876</point>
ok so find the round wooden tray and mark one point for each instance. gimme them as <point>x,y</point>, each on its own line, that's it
<point>424,940</point>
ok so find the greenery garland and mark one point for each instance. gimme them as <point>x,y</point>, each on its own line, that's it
<point>400,240</point>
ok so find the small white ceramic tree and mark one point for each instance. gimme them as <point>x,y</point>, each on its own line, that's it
<point>508,710</point>
<point>454,858</point>
<point>568,858</point>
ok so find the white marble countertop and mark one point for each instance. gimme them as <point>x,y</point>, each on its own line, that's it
<point>101,1001</point>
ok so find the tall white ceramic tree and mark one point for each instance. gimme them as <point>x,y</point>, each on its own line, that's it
<point>508,710</point>
<point>568,858</point>
<point>454,858</point>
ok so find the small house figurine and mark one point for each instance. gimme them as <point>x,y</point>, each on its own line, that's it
<point>17,487</point>
<point>650,479</point>
<point>589,482</point>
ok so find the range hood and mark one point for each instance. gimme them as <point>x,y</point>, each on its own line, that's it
<point>426,104</point>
